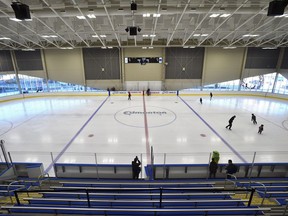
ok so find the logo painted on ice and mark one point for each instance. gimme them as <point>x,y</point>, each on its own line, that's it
<point>134,116</point>
<point>147,113</point>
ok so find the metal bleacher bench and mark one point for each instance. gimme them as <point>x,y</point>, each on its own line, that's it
<point>211,201</point>
<point>177,211</point>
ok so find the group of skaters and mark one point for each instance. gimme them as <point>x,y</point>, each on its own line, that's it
<point>253,119</point>
<point>231,168</point>
<point>230,122</point>
<point>211,96</point>
<point>148,93</point>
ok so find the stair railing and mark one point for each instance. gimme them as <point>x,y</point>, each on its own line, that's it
<point>41,179</point>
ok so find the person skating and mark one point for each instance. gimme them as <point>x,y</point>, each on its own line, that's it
<point>201,100</point>
<point>261,128</point>
<point>211,95</point>
<point>230,122</point>
<point>129,95</point>
<point>253,119</point>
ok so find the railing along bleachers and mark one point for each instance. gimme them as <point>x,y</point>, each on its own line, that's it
<point>277,189</point>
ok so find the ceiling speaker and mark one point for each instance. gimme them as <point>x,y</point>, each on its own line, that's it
<point>133,6</point>
<point>133,30</point>
<point>277,7</point>
<point>21,11</point>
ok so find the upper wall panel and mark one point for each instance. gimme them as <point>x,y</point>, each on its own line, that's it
<point>6,64</point>
<point>222,65</point>
<point>261,58</point>
<point>184,63</point>
<point>147,72</point>
<point>28,61</point>
<point>65,65</point>
<point>101,64</point>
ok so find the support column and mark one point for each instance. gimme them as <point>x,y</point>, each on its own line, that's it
<point>278,67</point>
<point>45,69</point>
<point>16,70</point>
<point>122,67</point>
<point>243,68</point>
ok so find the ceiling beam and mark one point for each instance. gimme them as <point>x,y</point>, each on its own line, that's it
<point>225,20</point>
<point>155,23</point>
<point>60,17</point>
<point>199,24</point>
<point>179,20</point>
<point>110,21</point>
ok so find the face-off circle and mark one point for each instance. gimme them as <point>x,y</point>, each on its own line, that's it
<point>134,116</point>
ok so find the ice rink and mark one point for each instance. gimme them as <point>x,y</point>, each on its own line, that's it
<point>112,130</point>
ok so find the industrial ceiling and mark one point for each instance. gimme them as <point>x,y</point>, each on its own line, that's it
<point>67,24</point>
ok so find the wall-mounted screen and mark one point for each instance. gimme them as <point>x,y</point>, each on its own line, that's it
<point>143,60</point>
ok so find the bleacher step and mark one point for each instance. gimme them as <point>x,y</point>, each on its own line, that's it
<point>277,211</point>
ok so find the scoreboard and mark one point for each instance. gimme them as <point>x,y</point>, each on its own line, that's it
<point>143,60</point>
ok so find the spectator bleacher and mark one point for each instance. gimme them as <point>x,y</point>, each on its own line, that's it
<point>168,196</point>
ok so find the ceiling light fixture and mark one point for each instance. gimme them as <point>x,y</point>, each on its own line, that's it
<point>95,36</point>
<point>91,16</point>
<point>28,49</point>
<point>214,15</point>
<point>152,35</point>
<point>229,47</point>
<point>103,36</point>
<point>251,35</point>
<point>145,35</point>
<point>49,36</point>
<point>81,17</point>
<point>156,15</point>
<point>146,15</point>
<point>65,48</point>
<point>5,38</point>
<point>15,19</point>
<point>280,16</point>
<point>225,15</point>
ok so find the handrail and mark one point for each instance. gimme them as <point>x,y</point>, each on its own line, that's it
<point>160,193</point>
<point>150,183</point>
<point>286,207</point>
<point>235,178</point>
<point>8,189</point>
<point>265,188</point>
<point>42,176</point>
